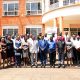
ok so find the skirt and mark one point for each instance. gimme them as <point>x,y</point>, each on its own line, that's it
<point>25,53</point>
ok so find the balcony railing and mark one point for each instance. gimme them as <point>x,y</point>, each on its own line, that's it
<point>54,6</point>
<point>62,4</point>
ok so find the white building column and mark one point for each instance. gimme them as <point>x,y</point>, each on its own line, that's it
<point>61,23</point>
<point>61,3</point>
<point>55,26</point>
<point>47,3</point>
<point>55,22</point>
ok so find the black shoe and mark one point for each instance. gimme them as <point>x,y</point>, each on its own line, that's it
<point>15,66</point>
<point>50,66</point>
<point>59,66</point>
<point>41,65</point>
<point>44,65</point>
<point>54,66</point>
<point>31,66</point>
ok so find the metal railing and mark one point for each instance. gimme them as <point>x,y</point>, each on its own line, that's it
<point>62,4</point>
<point>54,6</point>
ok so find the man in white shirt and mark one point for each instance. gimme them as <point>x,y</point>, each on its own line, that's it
<point>34,49</point>
<point>29,41</point>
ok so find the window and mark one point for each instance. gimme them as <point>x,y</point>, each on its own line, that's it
<point>67,2</point>
<point>74,31</point>
<point>66,29</point>
<point>53,1</point>
<point>72,1</point>
<point>34,31</point>
<point>11,30</point>
<point>10,9</point>
<point>33,8</point>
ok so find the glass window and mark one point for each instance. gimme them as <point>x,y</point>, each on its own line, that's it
<point>15,32</point>
<point>72,1</point>
<point>5,7</point>
<point>10,31</point>
<point>34,31</point>
<point>39,6</point>
<point>79,29</point>
<point>39,30</point>
<point>33,8</point>
<point>73,29</point>
<point>16,6</point>
<point>28,31</point>
<point>10,9</point>
<point>28,6</point>
<point>4,32</point>
<point>65,2</point>
<point>53,1</point>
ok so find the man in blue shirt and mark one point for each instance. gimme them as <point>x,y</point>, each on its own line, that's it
<point>43,51</point>
<point>52,52</point>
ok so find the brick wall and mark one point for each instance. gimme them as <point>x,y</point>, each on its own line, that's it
<point>21,21</point>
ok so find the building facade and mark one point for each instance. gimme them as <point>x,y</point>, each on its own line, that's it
<point>63,14</point>
<point>36,16</point>
<point>20,17</point>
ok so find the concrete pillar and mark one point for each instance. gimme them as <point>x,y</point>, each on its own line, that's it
<point>61,3</point>
<point>61,22</point>
<point>55,22</point>
<point>43,29</point>
<point>55,26</point>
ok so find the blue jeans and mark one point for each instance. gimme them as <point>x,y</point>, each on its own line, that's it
<point>43,57</point>
<point>61,58</point>
<point>17,60</point>
<point>52,57</point>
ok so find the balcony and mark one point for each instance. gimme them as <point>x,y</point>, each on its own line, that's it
<point>61,4</point>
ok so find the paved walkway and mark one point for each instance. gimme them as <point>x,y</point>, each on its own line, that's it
<point>39,74</point>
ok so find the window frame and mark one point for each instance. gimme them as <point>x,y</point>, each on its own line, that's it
<point>14,12</point>
<point>33,26</point>
<point>7,28</point>
<point>53,1</point>
<point>38,12</point>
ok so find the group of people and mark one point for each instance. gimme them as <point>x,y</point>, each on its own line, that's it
<point>29,50</point>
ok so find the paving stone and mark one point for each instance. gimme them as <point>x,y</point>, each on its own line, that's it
<point>39,74</point>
